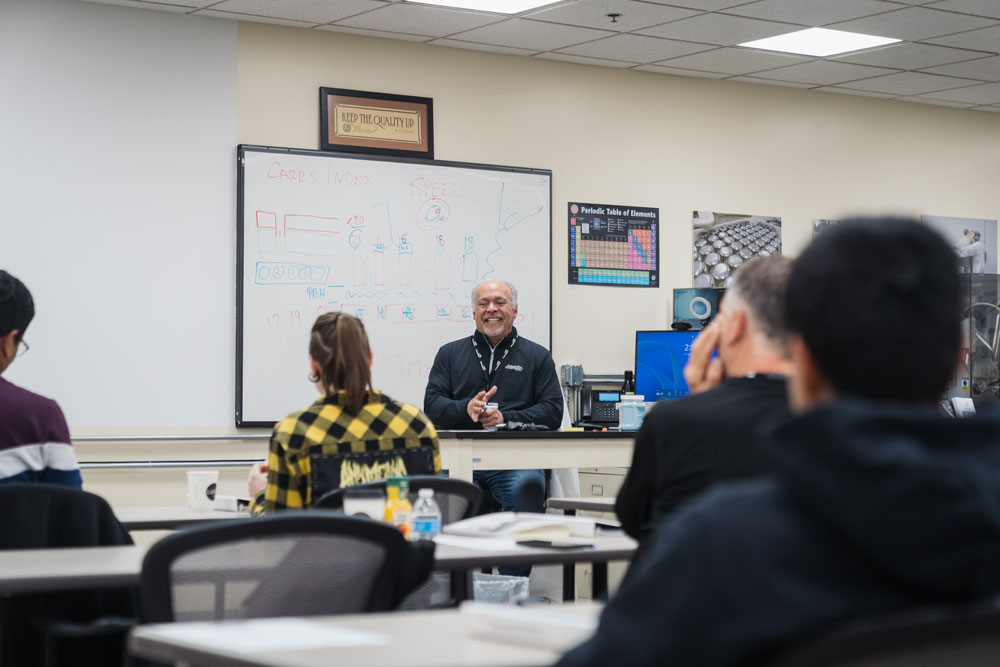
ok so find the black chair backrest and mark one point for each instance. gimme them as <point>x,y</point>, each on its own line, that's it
<point>40,516</point>
<point>43,516</point>
<point>347,468</point>
<point>288,564</point>
<point>457,498</point>
<point>925,637</point>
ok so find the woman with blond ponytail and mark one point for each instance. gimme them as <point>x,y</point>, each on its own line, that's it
<point>351,434</point>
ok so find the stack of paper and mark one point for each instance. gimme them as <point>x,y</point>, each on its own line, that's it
<point>523,526</point>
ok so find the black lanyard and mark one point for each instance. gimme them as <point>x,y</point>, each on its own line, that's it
<point>488,375</point>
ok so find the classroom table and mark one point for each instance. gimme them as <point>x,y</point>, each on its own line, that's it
<point>469,636</point>
<point>51,570</point>
<point>463,452</point>
<point>170,517</point>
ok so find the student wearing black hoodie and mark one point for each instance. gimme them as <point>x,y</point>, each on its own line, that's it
<point>880,504</point>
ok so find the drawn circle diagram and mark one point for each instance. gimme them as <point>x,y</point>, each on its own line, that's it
<point>355,239</point>
<point>433,213</point>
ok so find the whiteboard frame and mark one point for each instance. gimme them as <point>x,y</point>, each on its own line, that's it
<point>241,149</point>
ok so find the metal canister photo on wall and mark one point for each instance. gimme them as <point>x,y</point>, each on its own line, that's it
<point>724,241</point>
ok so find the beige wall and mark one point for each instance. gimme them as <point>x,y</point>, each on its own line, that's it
<point>635,138</point>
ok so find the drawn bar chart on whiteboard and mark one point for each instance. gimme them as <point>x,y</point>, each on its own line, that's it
<point>398,244</point>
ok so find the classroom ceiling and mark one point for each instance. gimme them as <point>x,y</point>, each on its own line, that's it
<point>950,53</point>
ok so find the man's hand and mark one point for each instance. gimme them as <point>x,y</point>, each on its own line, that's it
<point>257,479</point>
<point>702,372</point>
<point>478,402</point>
<point>491,418</point>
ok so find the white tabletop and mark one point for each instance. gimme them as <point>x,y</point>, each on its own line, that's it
<point>169,518</point>
<point>47,570</point>
<point>474,637</point>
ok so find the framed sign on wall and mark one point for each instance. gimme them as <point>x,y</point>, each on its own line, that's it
<point>356,121</point>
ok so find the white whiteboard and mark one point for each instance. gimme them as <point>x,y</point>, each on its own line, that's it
<point>400,244</point>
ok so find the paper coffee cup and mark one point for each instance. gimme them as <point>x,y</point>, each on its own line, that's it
<point>201,488</point>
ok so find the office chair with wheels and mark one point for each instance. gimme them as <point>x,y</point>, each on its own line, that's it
<point>287,564</point>
<point>457,498</point>
<point>925,637</point>
<point>70,627</point>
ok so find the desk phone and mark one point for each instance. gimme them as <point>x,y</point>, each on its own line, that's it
<point>599,407</point>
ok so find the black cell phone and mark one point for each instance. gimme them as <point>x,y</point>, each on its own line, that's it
<point>553,545</point>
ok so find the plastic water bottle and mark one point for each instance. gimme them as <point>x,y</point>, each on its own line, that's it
<point>426,516</point>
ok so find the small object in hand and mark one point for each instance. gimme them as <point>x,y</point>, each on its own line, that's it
<point>491,406</point>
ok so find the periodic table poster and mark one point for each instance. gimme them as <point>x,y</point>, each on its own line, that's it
<point>613,245</point>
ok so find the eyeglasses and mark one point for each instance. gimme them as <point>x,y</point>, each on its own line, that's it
<point>22,348</point>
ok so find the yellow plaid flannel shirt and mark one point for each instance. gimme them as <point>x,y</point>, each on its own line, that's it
<point>326,428</point>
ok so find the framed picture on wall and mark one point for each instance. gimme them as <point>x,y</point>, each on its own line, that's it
<point>356,121</point>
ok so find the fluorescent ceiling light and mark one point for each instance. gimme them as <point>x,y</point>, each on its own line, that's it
<point>819,42</point>
<point>496,6</point>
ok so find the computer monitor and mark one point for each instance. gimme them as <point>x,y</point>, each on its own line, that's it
<point>660,357</point>
<point>697,306</point>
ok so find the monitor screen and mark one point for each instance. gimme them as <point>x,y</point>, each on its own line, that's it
<point>660,357</point>
<point>697,307</point>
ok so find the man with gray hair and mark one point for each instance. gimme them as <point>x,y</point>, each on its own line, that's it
<point>687,444</point>
<point>495,377</point>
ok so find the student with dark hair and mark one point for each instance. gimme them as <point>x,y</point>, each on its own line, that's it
<point>34,437</point>
<point>349,417</point>
<point>880,504</point>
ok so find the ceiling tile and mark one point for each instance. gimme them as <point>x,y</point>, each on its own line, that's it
<point>703,5</point>
<point>769,82</point>
<point>527,34</point>
<point>584,60</point>
<point>908,83</point>
<point>812,12</point>
<point>914,23</point>
<point>311,11</point>
<point>234,16</point>
<point>635,48</point>
<point>458,44</point>
<point>823,72</point>
<point>719,29</point>
<point>166,5</point>
<point>848,91</point>
<point>908,55</point>
<point>594,14</point>
<point>989,8</point>
<point>677,71</point>
<point>985,39</point>
<point>420,19</point>
<point>733,60</point>
<point>376,33</point>
<point>987,69</point>
<point>987,93</point>
<point>940,103</point>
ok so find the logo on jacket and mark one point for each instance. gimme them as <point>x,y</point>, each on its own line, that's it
<point>512,367</point>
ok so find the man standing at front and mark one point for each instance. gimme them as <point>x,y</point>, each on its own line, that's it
<point>496,366</point>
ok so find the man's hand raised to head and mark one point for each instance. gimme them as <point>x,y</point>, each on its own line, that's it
<point>702,372</point>
<point>478,404</point>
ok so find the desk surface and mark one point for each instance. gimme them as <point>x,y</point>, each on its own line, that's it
<point>445,638</point>
<point>169,518</point>
<point>47,570</point>
<point>481,434</point>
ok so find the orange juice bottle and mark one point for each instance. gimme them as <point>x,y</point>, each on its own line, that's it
<point>398,509</point>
